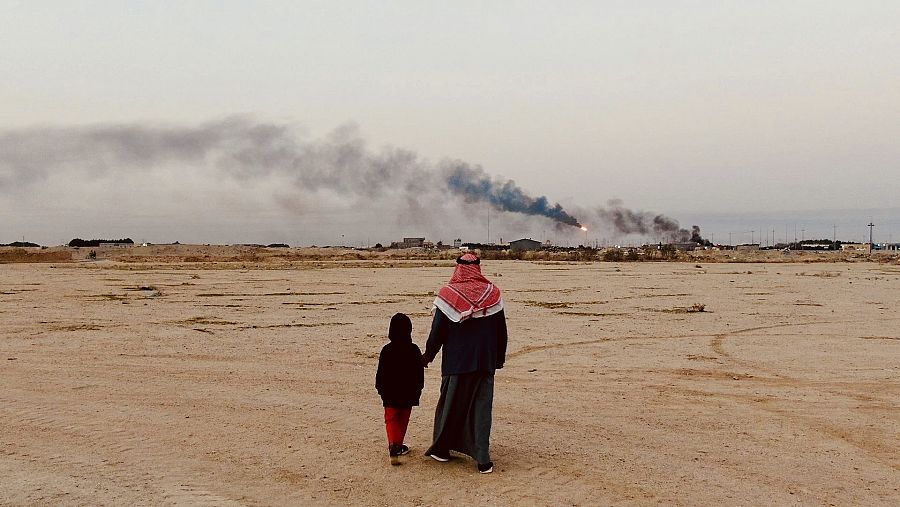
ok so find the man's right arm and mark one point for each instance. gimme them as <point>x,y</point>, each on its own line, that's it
<point>436,338</point>
<point>502,339</point>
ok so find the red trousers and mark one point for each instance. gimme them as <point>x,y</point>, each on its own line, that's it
<point>396,420</point>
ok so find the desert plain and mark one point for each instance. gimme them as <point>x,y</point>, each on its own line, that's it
<point>192,383</point>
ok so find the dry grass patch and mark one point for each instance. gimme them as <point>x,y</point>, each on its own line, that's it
<point>106,297</point>
<point>547,304</point>
<point>211,321</point>
<point>694,308</point>
<point>555,305</point>
<point>296,324</point>
<point>591,314</point>
<point>77,327</point>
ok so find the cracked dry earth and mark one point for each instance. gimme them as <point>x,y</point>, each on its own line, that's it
<point>186,385</point>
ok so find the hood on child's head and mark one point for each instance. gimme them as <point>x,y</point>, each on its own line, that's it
<point>401,328</point>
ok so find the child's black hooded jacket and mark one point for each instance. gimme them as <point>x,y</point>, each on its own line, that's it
<point>400,376</point>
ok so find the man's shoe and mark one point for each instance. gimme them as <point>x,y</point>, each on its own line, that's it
<point>486,468</point>
<point>439,456</point>
<point>404,449</point>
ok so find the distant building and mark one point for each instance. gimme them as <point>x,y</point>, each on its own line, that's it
<point>687,246</point>
<point>115,244</point>
<point>409,243</point>
<point>524,244</point>
<point>457,243</point>
<point>855,247</point>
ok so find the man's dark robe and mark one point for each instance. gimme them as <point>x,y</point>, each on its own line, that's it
<point>473,350</point>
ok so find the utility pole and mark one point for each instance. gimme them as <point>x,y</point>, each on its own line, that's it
<point>870,226</point>
<point>834,236</point>
<point>489,224</point>
<point>752,235</point>
<point>729,239</point>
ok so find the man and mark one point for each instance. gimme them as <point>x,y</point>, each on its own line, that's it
<point>470,325</point>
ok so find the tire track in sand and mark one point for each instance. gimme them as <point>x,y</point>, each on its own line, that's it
<point>884,454</point>
<point>717,345</point>
<point>530,349</point>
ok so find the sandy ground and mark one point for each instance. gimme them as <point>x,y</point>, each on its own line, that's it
<point>185,385</point>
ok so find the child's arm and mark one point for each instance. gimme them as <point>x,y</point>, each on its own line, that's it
<point>420,371</point>
<point>379,375</point>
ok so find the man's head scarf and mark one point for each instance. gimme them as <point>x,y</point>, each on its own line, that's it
<point>469,294</point>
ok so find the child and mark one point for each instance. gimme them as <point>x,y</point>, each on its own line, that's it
<point>399,381</point>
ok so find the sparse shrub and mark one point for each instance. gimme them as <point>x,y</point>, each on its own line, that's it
<point>516,255</point>
<point>612,255</point>
<point>668,252</point>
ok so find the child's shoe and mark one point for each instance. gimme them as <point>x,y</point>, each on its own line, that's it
<point>394,450</point>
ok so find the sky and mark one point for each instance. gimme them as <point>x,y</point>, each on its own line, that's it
<point>731,115</point>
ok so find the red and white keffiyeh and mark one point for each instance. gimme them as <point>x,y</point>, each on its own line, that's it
<point>469,294</point>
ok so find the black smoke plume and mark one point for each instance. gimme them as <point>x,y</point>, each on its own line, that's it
<point>475,185</point>
<point>626,221</point>
<point>243,149</point>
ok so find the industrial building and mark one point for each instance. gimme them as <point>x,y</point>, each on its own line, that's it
<point>524,244</point>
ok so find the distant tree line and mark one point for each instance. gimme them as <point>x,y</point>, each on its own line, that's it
<point>96,242</point>
<point>22,244</point>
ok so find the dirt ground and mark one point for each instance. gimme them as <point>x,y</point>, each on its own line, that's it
<point>184,384</point>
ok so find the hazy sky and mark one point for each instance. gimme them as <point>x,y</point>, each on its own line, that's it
<point>694,109</point>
